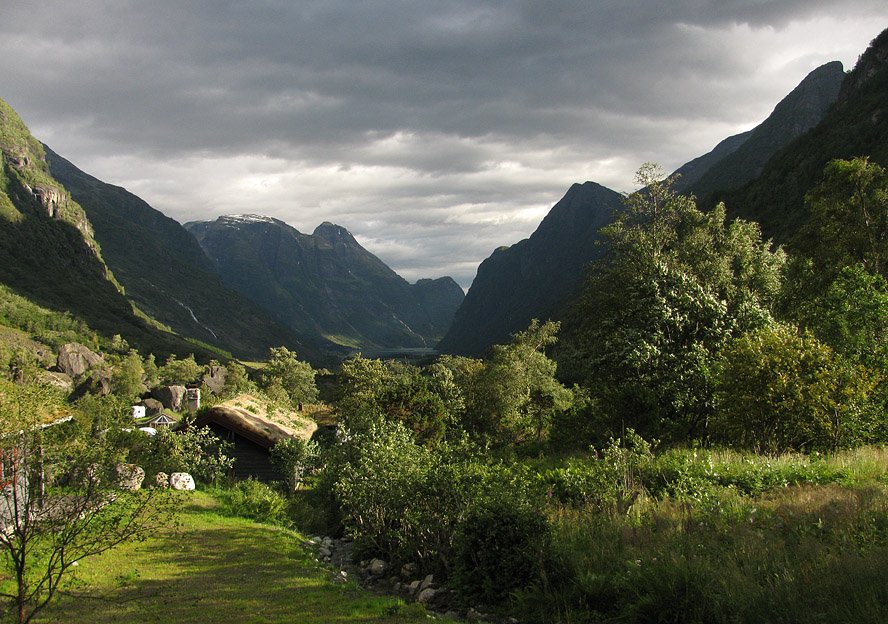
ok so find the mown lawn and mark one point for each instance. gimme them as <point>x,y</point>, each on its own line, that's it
<point>215,568</point>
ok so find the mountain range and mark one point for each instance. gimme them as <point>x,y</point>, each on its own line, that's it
<point>245,283</point>
<point>761,174</point>
<point>166,274</point>
<point>326,283</point>
<point>75,244</point>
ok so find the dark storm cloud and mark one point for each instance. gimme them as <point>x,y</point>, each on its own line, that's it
<point>410,123</point>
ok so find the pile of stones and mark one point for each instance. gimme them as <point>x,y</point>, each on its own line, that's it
<point>406,582</point>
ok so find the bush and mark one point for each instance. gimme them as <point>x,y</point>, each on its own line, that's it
<point>256,500</point>
<point>502,546</point>
<point>781,391</point>
<point>197,451</point>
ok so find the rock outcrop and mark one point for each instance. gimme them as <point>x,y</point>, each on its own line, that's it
<point>75,359</point>
<point>169,396</point>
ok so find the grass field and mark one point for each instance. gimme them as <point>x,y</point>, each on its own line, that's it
<point>215,568</point>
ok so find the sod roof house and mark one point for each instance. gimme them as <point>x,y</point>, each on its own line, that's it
<point>253,433</point>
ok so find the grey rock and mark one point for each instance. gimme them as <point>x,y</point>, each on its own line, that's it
<point>152,406</point>
<point>426,582</point>
<point>170,396</point>
<point>162,480</point>
<point>214,378</point>
<point>377,567</point>
<point>426,596</point>
<point>181,481</point>
<point>61,381</point>
<point>75,359</point>
<point>129,476</point>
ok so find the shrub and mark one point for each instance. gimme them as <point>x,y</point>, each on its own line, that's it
<point>781,391</point>
<point>294,457</point>
<point>197,451</point>
<point>256,500</point>
<point>502,546</point>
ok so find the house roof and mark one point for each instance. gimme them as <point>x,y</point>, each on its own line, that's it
<point>162,419</point>
<point>254,427</point>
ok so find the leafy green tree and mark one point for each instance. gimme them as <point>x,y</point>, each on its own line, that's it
<point>674,286</point>
<point>60,503</point>
<point>294,457</point>
<point>176,371</point>
<point>849,218</point>
<point>127,376</point>
<point>782,391</point>
<point>297,378</point>
<point>851,315</point>
<point>236,380</point>
<point>372,391</point>
<point>516,394</point>
<point>151,371</point>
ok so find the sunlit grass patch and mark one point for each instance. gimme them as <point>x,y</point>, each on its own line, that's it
<point>215,568</point>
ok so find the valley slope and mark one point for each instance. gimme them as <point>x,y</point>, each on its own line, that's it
<point>165,272</point>
<point>538,277</point>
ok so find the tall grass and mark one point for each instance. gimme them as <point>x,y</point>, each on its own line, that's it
<point>724,537</point>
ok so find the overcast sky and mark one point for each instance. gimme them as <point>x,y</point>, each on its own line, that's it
<point>434,131</point>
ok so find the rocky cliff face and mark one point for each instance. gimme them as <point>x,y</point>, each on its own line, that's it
<point>531,278</point>
<point>325,284</point>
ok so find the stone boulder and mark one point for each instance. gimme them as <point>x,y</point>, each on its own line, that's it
<point>214,378</point>
<point>57,380</point>
<point>377,567</point>
<point>152,406</point>
<point>97,382</point>
<point>170,396</point>
<point>129,476</point>
<point>75,359</point>
<point>426,596</point>
<point>181,481</point>
<point>162,480</point>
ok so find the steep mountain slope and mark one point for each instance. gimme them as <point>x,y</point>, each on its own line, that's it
<point>165,272</point>
<point>535,277</point>
<point>48,251</point>
<point>529,279</point>
<point>325,283</point>
<point>440,298</point>
<point>856,126</point>
<point>797,113</point>
<point>691,172</point>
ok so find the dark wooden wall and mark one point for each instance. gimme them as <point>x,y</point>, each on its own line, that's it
<point>250,459</point>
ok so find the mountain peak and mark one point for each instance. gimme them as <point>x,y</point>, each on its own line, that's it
<point>330,231</point>
<point>873,59</point>
<point>249,218</point>
<point>742,158</point>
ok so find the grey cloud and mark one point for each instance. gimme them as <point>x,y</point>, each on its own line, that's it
<point>410,123</point>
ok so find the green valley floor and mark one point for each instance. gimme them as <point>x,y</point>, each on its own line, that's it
<point>214,568</point>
